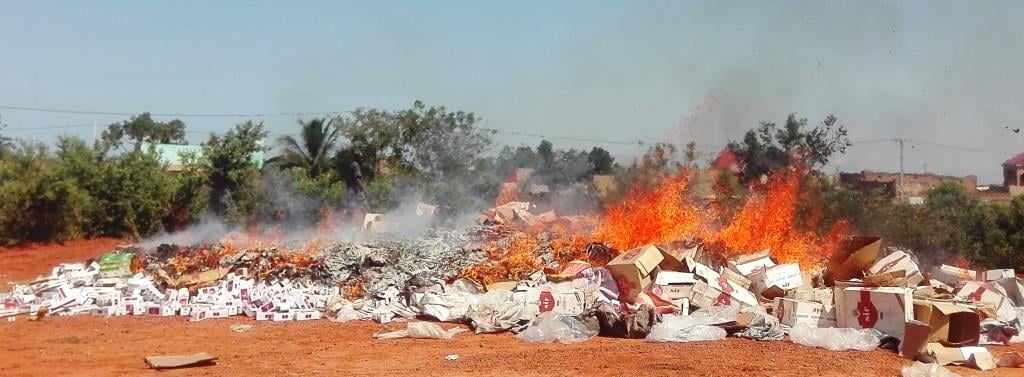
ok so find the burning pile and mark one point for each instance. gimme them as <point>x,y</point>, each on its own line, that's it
<point>657,266</point>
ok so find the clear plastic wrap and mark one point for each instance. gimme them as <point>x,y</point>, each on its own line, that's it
<point>836,339</point>
<point>919,369</point>
<point>695,327</point>
<point>550,327</point>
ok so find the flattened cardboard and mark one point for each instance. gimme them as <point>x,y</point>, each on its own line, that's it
<point>795,313</point>
<point>198,277</point>
<point>915,338</point>
<point>721,284</point>
<point>634,270</point>
<point>735,277</point>
<point>851,258</point>
<point>819,295</point>
<point>675,260</point>
<point>886,309</point>
<point>183,361</point>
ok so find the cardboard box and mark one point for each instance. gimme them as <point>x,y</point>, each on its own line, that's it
<point>795,313</point>
<point>993,275</point>
<point>159,310</point>
<point>986,294</point>
<point>568,300</point>
<point>784,277</point>
<point>852,257</point>
<point>956,324</point>
<point>748,264</point>
<point>719,283</point>
<point>199,315</point>
<point>886,309</point>
<point>952,275</point>
<point>306,315</point>
<point>675,260</point>
<point>820,295</point>
<point>264,316</point>
<point>735,277</point>
<point>634,271</point>
<point>899,260</point>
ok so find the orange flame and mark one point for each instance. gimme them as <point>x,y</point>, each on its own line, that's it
<point>660,215</point>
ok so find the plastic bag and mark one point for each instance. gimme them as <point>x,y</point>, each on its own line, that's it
<point>421,330</point>
<point>919,369</point>
<point>836,339</point>
<point>551,327</point>
<point>495,311</point>
<point>695,327</point>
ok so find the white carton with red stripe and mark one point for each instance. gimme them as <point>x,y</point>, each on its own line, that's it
<point>985,293</point>
<point>886,309</point>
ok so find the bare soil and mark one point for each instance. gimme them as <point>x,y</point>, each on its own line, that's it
<point>116,346</point>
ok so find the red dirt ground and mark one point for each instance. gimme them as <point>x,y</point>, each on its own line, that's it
<point>116,346</point>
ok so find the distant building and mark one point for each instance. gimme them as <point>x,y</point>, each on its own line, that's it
<point>914,187</point>
<point>173,155</point>
<point>1013,175</point>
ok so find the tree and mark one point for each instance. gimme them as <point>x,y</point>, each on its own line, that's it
<point>319,138</point>
<point>142,129</point>
<point>233,176</point>
<point>601,162</point>
<point>547,153</point>
<point>768,148</point>
<point>6,144</point>
<point>690,155</point>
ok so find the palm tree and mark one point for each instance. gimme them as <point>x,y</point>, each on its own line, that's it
<point>317,139</point>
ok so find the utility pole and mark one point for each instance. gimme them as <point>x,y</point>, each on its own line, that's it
<point>94,132</point>
<point>899,190</point>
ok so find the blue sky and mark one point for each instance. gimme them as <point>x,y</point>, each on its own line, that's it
<point>950,73</point>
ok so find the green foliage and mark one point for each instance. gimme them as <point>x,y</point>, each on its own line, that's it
<point>234,179</point>
<point>6,143</point>
<point>769,148</point>
<point>601,162</point>
<point>142,129</point>
<point>312,152</point>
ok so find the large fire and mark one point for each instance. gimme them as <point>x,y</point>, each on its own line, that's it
<point>664,213</point>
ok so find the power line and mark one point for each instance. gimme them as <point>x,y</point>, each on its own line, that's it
<point>47,127</point>
<point>177,115</point>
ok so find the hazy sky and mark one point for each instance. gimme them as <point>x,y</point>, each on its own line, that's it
<point>950,73</point>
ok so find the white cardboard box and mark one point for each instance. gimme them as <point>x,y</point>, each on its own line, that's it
<point>795,313</point>
<point>886,309</point>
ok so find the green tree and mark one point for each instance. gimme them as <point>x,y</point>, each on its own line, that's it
<point>232,174</point>
<point>769,148</point>
<point>36,203</point>
<point>601,162</point>
<point>6,143</point>
<point>142,129</point>
<point>546,151</point>
<point>312,151</point>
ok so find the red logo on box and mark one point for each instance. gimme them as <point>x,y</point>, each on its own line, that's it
<point>547,301</point>
<point>867,314</point>
<point>625,286</point>
<point>724,298</point>
<point>976,295</point>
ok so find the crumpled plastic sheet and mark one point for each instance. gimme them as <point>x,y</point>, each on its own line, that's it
<point>698,326</point>
<point>550,327</point>
<point>495,311</point>
<point>836,339</point>
<point>763,326</point>
<point>421,330</point>
<point>919,369</point>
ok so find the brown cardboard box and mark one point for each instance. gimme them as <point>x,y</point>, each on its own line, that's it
<point>978,357</point>
<point>906,273</point>
<point>886,309</point>
<point>820,295</point>
<point>795,313</point>
<point>852,257</point>
<point>634,271</point>
<point>721,284</point>
<point>956,324</point>
<point>562,300</point>
<point>749,263</point>
<point>735,277</point>
<point>674,260</point>
<point>784,277</point>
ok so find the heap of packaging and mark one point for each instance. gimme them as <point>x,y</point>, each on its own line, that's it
<point>947,314</point>
<point>74,288</point>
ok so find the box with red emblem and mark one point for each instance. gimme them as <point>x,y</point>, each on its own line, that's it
<point>634,271</point>
<point>886,309</point>
<point>561,298</point>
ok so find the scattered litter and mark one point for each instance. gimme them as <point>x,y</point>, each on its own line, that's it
<point>550,327</point>
<point>698,326</point>
<point>184,361</point>
<point>239,327</point>
<point>452,357</point>
<point>836,339</point>
<point>919,369</point>
<point>421,330</point>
